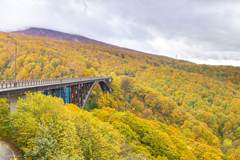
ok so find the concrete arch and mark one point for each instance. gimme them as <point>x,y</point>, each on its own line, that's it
<point>104,86</point>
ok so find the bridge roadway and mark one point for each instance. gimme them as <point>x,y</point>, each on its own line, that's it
<point>80,88</point>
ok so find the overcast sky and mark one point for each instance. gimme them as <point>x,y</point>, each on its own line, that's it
<point>202,31</point>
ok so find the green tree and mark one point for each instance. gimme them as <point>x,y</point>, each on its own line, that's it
<point>41,119</point>
<point>91,103</point>
<point>4,119</point>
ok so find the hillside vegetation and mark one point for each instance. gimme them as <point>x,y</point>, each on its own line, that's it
<point>170,110</point>
<point>66,37</point>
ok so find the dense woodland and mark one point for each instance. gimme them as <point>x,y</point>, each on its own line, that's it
<point>171,110</point>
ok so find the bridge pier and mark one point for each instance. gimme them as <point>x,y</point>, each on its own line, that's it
<point>13,102</point>
<point>60,93</point>
<point>79,93</point>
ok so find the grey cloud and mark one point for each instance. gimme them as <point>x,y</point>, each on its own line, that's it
<point>197,29</point>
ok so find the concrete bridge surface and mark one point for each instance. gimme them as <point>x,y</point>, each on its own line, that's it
<point>72,90</point>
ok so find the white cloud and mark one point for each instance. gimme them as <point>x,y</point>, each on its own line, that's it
<point>203,31</point>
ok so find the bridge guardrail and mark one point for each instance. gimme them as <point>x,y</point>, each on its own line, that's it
<point>31,82</point>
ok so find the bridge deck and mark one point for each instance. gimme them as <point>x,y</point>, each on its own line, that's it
<point>8,92</point>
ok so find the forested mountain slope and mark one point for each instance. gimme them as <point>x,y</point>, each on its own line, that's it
<point>67,37</point>
<point>171,109</point>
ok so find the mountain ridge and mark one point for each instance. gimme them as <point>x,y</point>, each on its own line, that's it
<point>58,35</point>
<point>42,32</point>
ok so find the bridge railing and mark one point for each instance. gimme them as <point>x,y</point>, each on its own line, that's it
<point>22,83</point>
<point>32,82</point>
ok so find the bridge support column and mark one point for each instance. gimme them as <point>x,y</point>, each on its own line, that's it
<point>107,81</point>
<point>84,92</point>
<point>78,96</point>
<point>60,92</point>
<point>13,102</point>
<point>79,93</point>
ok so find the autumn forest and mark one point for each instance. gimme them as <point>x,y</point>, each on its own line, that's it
<point>172,109</point>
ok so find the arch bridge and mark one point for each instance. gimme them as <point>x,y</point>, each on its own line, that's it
<point>72,90</point>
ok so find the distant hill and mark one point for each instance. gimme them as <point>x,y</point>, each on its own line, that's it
<point>68,37</point>
<point>81,39</point>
